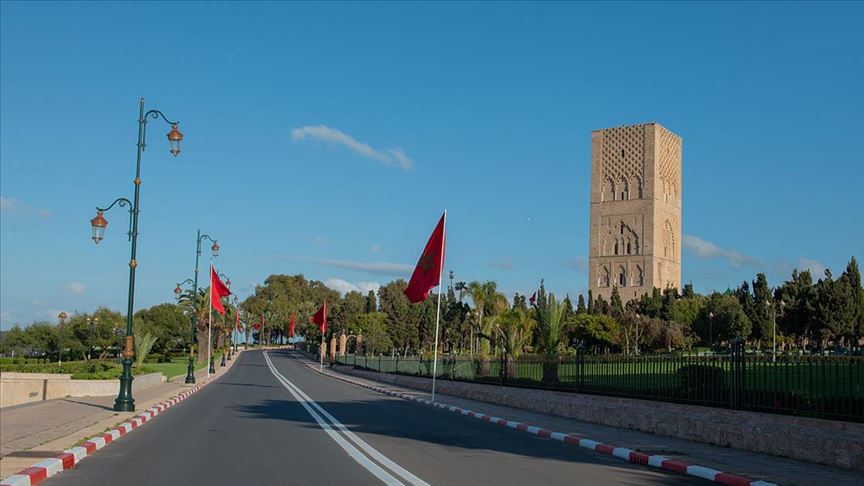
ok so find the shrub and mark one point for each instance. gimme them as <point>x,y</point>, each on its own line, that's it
<point>701,381</point>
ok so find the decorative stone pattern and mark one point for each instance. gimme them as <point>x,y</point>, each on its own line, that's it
<point>635,210</point>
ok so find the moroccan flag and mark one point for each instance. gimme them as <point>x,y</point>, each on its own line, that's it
<point>237,320</point>
<point>291,326</point>
<point>533,298</point>
<point>217,291</point>
<point>320,318</point>
<point>427,274</point>
<point>258,325</point>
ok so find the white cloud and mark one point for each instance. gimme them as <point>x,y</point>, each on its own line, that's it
<point>375,248</point>
<point>384,268</point>
<point>10,205</point>
<point>344,286</point>
<point>394,157</point>
<point>817,269</point>
<point>76,288</point>
<point>705,250</point>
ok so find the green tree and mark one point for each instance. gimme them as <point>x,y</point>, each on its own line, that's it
<point>167,323</point>
<point>762,317</point>
<point>15,342</point>
<point>373,327</point>
<point>514,329</point>
<point>549,331</point>
<point>616,307</point>
<point>721,319</point>
<point>580,305</point>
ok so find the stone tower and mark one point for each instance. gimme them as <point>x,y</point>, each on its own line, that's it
<point>635,211</point>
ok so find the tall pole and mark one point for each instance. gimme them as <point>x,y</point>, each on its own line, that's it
<point>438,314</point>
<point>124,401</point>
<point>774,334</point>
<point>190,371</point>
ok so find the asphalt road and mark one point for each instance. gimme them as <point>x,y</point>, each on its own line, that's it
<point>271,420</point>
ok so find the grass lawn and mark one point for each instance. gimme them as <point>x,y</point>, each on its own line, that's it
<point>177,366</point>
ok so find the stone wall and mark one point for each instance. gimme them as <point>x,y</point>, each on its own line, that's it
<point>828,442</point>
<point>18,388</point>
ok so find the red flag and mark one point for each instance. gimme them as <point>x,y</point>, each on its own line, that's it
<point>291,327</point>
<point>320,318</point>
<point>237,320</point>
<point>427,274</point>
<point>217,291</point>
<point>533,298</point>
<point>259,324</point>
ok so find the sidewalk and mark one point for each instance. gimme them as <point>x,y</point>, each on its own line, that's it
<point>754,465</point>
<point>32,432</point>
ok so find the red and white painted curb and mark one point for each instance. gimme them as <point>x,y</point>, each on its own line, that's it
<point>71,457</point>
<point>623,453</point>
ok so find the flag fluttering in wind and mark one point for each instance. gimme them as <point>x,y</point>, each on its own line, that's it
<point>218,289</point>
<point>237,321</point>
<point>291,326</point>
<point>533,298</point>
<point>259,325</point>
<point>320,318</point>
<point>427,274</point>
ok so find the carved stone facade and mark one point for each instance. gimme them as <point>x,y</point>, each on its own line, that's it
<point>635,240</point>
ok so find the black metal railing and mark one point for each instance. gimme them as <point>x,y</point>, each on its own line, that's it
<point>814,386</point>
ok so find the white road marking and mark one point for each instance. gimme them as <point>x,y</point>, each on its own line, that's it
<point>310,404</point>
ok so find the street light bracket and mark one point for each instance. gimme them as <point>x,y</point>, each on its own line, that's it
<point>122,202</point>
<point>154,114</point>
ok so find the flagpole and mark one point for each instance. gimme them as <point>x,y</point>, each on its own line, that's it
<point>210,321</point>
<point>438,314</point>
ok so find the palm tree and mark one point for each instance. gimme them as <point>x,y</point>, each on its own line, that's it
<point>549,330</point>
<point>513,328</point>
<point>487,302</point>
<point>198,303</point>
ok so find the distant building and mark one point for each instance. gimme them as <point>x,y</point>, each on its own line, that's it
<point>635,240</point>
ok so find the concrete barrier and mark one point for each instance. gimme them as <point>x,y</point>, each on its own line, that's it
<point>830,442</point>
<point>18,388</point>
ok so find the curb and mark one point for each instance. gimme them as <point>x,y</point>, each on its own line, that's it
<point>71,457</point>
<point>623,453</point>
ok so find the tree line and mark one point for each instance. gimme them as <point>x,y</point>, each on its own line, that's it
<point>480,321</point>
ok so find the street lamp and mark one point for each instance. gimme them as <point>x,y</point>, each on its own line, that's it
<point>774,327</point>
<point>711,330</point>
<point>124,401</point>
<point>190,370</point>
<point>91,322</point>
<point>62,317</point>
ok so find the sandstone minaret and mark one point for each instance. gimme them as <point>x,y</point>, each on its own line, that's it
<point>635,210</point>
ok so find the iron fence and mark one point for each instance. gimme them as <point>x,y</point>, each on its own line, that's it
<point>814,386</point>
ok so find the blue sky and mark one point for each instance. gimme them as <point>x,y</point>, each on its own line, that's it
<point>327,139</point>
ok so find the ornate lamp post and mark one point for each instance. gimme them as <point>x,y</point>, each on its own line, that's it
<point>62,317</point>
<point>124,401</point>
<point>91,323</point>
<point>237,310</point>
<point>711,330</point>
<point>214,249</point>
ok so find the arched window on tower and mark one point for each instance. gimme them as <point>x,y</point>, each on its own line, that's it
<point>640,276</point>
<point>625,190</point>
<point>608,191</point>
<point>603,276</point>
<point>616,246</point>
<point>639,186</point>
<point>622,277</point>
<point>628,247</point>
